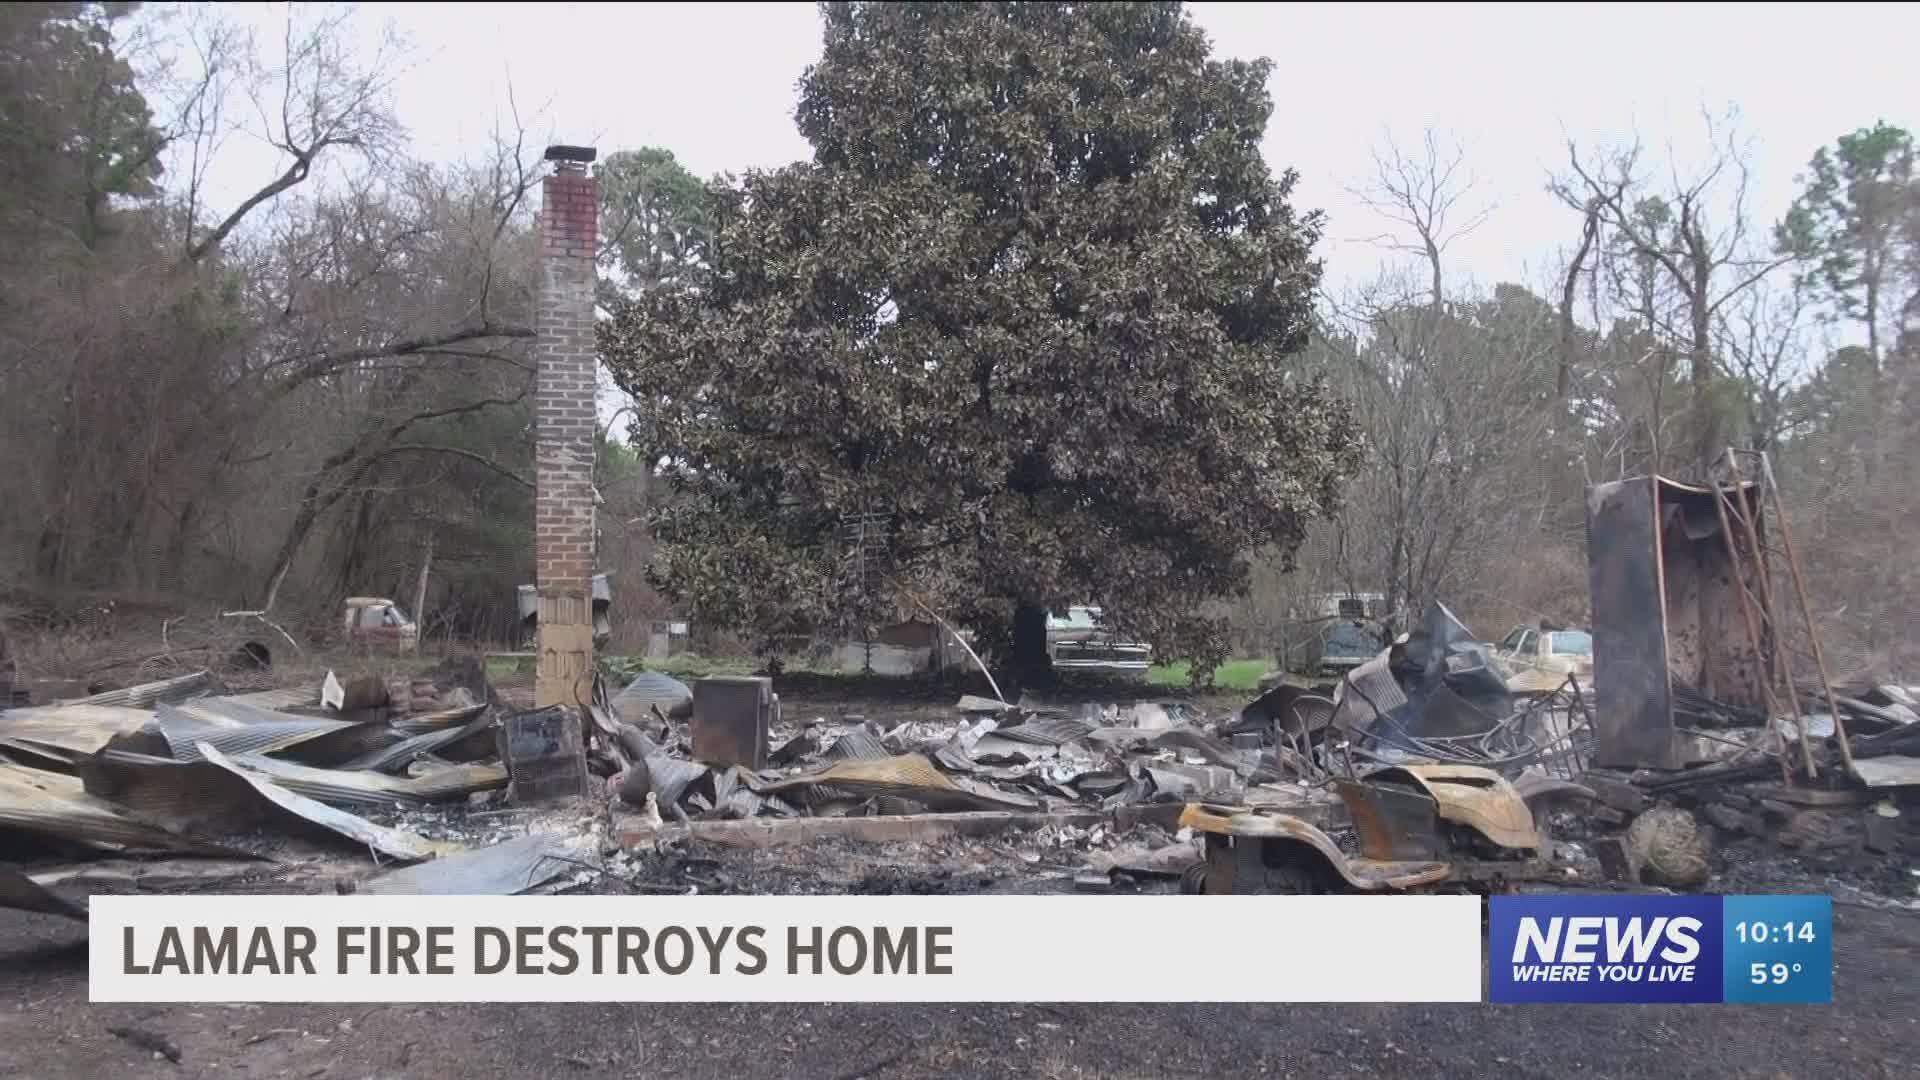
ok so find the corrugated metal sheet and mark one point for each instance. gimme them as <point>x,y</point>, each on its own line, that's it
<point>1372,687</point>
<point>297,697</point>
<point>147,695</point>
<point>856,744</point>
<point>185,796</point>
<point>668,778</point>
<point>1212,750</point>
<point>397,757</point>
<point>394,843</point>
<point>649,689</point>
<point>1057,732</point>
<point>338,787</point>
<point>497,870</point>
<point>237,728</point>
<point>21,892</point>
<point>52,804</point>
<point>426,723</point>
<point>909,776</point>
<point>68,732</point>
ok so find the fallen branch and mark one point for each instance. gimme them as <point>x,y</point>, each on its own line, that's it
<point>997,696</point>
<point>262,616</point>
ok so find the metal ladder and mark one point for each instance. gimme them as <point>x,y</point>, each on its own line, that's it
<point>1772,620</point>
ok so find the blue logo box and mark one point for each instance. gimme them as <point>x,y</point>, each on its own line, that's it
<point>1676,949</point>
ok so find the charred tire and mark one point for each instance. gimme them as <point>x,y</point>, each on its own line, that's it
<point>1193,880</point>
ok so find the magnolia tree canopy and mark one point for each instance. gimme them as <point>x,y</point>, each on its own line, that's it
<point>1030,314</point>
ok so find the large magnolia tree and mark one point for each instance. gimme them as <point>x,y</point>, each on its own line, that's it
<point>1021,334</point>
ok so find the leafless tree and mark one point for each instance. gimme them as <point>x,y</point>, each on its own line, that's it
<point>1428,196</point>
<point>1696,229</point>
<point>316,97</point>
<point>1763,337</point>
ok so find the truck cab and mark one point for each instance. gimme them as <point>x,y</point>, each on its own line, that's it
<point>379,623</point>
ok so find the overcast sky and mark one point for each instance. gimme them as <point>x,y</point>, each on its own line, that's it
<point>715,84</point>
<point>1509,83</point>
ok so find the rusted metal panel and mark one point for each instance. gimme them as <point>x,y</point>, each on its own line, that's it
<point>1390,823</point>
<point>1667,612</point>
<point>1708,645</point>
<point>1633,694</point>
<point>1478,798</point>
<point>1244,850</point>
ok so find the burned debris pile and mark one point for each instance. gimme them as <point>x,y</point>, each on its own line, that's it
<point>1709,723</point>
<point>992,756</point>
<point>1710,718</point>
<point>174,768</point>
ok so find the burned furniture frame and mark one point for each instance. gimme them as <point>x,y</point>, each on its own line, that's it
<point>1415,826</point>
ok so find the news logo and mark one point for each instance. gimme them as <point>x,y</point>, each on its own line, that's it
<point>1674,949</point>
<point>1605,948</point>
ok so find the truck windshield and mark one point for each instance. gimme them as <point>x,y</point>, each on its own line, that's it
<point>1570,643</point>
<point>1079,618</point>
<point>1351,639</point>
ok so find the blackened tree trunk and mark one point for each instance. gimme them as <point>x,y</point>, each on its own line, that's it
<point>1031,661</point>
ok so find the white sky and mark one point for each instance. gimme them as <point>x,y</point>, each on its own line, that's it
<point>716,85</point>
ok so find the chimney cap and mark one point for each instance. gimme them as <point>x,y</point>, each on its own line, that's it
<point>573,155</point>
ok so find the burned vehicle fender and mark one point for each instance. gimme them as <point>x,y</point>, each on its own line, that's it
<point>1468,795</point>
<point>1282,839</point>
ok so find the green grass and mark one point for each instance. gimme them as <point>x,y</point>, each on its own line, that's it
<point>1232,675</point>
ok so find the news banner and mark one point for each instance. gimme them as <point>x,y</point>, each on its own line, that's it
<point>1538,948</point>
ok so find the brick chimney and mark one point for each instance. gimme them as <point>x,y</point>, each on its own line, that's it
<point>564,420</point>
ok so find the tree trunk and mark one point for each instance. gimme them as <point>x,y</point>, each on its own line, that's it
<point>1031,661</point>
<point>1589,231</point>
<point>1706,408</point>
<point>1873,320</point>
<point>420,592</point>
